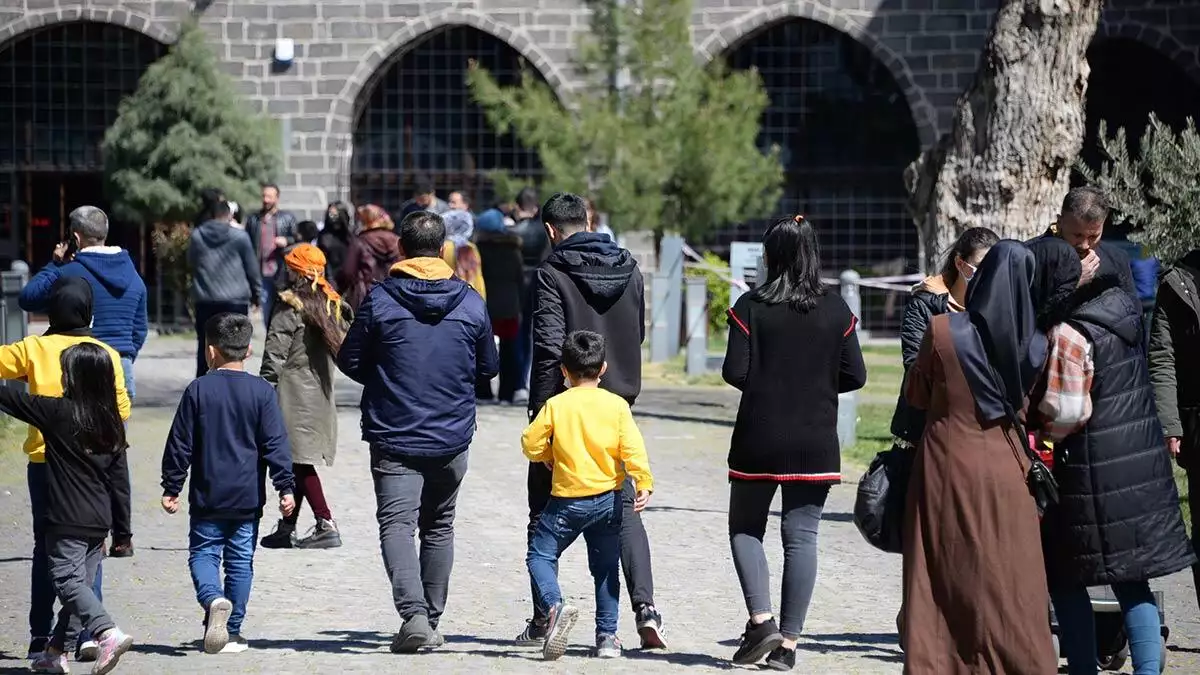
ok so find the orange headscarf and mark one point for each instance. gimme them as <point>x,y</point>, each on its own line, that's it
<point>374,217</point>
<point>308,261</point>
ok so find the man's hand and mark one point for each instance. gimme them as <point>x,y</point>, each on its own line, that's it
<point>60,252</point>
<point>1091,265</point>
<point>170,504</point>
<point>1173,444</point>
<point>641,500</point>
<point>287,504</point>
<point>281,242</point>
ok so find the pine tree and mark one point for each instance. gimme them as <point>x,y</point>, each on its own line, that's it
<point>185,129</point>
<point>1158,192</point>
<point>675,150</point>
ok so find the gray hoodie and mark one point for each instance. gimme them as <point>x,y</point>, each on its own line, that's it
<point>224,267</point>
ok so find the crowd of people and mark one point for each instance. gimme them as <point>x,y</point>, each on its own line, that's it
<point>1015,353</point>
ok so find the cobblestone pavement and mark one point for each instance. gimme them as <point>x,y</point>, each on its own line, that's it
<point>331,611</point>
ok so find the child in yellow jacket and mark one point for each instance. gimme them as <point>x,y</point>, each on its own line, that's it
<point>588,438</point>
<point>36,360</point>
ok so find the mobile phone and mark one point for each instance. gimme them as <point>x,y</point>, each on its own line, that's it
<point>72,248</point>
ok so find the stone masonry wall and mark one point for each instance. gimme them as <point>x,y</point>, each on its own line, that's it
<point>930,46</point>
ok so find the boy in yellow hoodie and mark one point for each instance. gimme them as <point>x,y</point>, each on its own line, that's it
<point>35,360</point>
<point>588,438</point>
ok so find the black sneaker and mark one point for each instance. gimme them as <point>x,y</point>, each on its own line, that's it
<point>324,535</point>
<point>534,634</point>
<point>558,630</point>
<point>782,658</point>
<point>282,537</point>
<point>758,641</point>
<point>414,634</point>
<point>650,628</point>
<point>37,645</point>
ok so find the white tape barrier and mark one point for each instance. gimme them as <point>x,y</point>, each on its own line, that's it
<point>899,284</point>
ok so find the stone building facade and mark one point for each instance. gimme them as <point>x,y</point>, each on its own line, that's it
<point>344,48</point>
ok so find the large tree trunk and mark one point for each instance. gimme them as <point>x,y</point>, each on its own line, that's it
<point>1006,162</point>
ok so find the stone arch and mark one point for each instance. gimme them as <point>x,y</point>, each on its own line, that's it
<point>374,64</point>
<point>736,32</point>
<point>1187,58</point>
<point>120,17</point>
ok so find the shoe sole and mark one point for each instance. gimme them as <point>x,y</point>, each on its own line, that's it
<point>781,667</point>
<point>88,654</point>
<point>651,636</point>
<point>531,642</point>
<point>331,543</point>
<point>608,653</point>
<point>107,667</point>
<point>760,650</point>
<point>559,634</point>
<point>216,635</point>
<point>274,546</point>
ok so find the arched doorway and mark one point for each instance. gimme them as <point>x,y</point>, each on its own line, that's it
<point>60,87</point>
<point>418,119</point>
<point>1128,81</point>
<point>846,134</point>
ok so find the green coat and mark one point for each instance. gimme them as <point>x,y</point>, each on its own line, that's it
<point>1175,353</point>
<point>300,366</point>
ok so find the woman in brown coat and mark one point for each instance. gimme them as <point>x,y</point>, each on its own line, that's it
<point>975,598</point>
<point>370,256</point>
<point>306,332</point>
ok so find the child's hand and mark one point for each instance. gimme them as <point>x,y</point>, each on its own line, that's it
<point>641,500</point>
<point>170,504</point>
<point>287,504</point>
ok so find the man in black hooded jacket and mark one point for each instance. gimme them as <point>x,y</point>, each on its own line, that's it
<point>590,283</point>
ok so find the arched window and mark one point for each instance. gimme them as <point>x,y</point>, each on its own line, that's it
<point>418,119</point>
<point>846,134</point>
<point>59,91</point>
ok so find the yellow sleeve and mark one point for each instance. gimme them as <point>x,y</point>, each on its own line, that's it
<point>633,451</point>
<point>536,439</point>
<point>477,283</point>
<point>124,405</point>
<point>449,254</point>
<point>14,361</point>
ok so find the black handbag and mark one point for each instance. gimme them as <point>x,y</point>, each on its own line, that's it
<point>882,491</point>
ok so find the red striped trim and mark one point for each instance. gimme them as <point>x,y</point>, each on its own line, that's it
<point>853,325</point>
<point>787,477</point>
<point>738,321</point>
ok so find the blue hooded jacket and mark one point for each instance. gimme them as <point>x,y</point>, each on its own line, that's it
<point>118,290</point>
<point>418,344</point>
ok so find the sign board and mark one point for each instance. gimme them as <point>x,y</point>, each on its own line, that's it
<point>745,265</point>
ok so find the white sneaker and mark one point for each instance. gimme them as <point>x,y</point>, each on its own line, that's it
<point>216,632</point>
<point>521,397</point>
<point>236,645</point>
<point>88,651</point>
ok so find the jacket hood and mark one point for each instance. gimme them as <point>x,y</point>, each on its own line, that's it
<point>936,286</point>
<point>217,233</point>
<point>383,242</point>
<point>70,307</point>
<point>595,263</point>
<point>111,266</point>
<point>425,287</point>
<point>1114,311</point>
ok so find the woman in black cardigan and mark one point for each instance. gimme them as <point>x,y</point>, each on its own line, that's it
<point>792,349</point>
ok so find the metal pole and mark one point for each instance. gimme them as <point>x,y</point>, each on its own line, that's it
<point>659,326</point>
<point>848,403</point>
<point>697,325</point>
<point>671,264</point>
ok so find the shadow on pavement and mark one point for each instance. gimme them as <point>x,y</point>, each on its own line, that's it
<point>679,658</point>
<point>17,559</point>
<point>875,646</point>
<point>672,417</point>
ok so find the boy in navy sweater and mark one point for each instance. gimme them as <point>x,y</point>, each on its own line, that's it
<point>240,436</point>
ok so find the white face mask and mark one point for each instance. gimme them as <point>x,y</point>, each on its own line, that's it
<point>974,268</point>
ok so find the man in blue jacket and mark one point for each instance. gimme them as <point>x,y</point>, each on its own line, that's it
<point>118,290</point>
<point>419,343</point>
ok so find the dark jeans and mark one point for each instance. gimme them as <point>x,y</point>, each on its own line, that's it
<point>268,301</point>
<point>635,545</point>
<point>1193,483</point>
<point>510,375</point>
<point>212,543</point>
<point>411,494</point>
<point>598,519</point>
<point>74,565</point>
<point>41,583</point>
<point>204,312</point>
<point>524,350</point>
<point>1077,627</point>
<point>749,506</point>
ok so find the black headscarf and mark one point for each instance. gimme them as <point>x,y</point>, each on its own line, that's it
<point>70,307</point>
<point>1056,282</point>
<point>997,340</point>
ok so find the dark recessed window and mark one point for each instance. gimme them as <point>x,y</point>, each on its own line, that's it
<point>419,119</point>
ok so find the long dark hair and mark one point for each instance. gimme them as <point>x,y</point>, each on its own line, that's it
<point>339,226</point>
<point>90,383</point>
<point>332,322</point>
<point>793,257</point>
<point>968,244</point>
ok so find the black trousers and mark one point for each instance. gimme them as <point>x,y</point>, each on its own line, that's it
<point>1193,483</point>
<point>510,374</point>
<point>204,312</point>
<point>635,545</point>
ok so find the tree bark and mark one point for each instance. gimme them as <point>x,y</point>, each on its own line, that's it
<point>1006,162</point>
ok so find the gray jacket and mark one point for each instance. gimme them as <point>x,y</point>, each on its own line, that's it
<point>224,267</point>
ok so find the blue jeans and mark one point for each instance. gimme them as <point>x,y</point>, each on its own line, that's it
<point>210,542</point>
<point>127,366</point>
<point>598,519</point>
<point>41,585</point>
<point>268,300</point>
<point>1077,627</point>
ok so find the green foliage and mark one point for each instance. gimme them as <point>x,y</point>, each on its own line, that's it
<point>185,129</point>
<point>675,151</point>
<point>716,279</point>
<point>171,243</point>
<point>1158,192</point>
